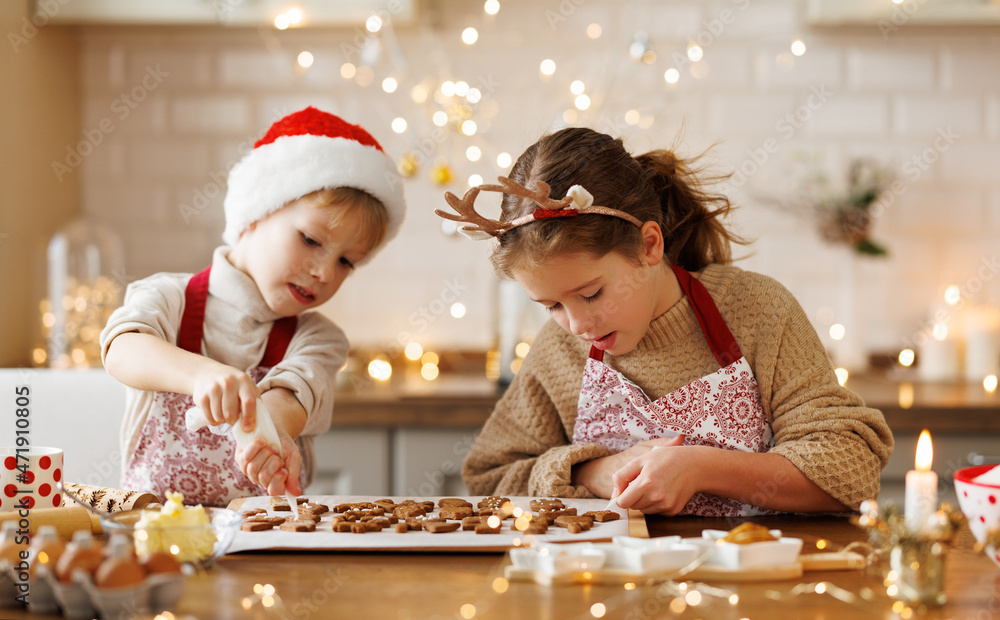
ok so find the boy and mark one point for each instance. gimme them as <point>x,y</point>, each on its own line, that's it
<point>316,197</point>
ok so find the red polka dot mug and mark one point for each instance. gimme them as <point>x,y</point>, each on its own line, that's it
<point>29,477</point>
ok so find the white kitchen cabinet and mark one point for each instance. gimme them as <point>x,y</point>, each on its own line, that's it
<point>219,12</point>
<point>890,16</point>
<point>428,461</point>
<point>352,461</point>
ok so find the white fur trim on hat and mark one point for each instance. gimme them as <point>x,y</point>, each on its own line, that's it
<point>272,175</point>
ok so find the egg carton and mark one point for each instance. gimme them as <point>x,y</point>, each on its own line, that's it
<point>81,598</point>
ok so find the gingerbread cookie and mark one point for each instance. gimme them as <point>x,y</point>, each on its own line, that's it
<point>547,504</point>
<point>470,523</point>
<point>436,527</point>
<point>484,528</point>
<point>602,516</point>
<point>256,526</point>
<point>406,511</point>
<point>584,523</point>
<point>456,512</point>
<point>310,508</point>
<point>298,525</point>
<point>552,515</point>
<point>454,501</point>
<point>275,520</point>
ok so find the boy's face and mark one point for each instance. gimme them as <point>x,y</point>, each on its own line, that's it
<point>297,256</point>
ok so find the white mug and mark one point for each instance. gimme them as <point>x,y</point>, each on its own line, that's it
<point>29,477</point>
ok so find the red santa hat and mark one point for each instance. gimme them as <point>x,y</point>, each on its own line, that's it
<point>303,152</point>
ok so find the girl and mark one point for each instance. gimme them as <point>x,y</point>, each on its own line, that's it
<point>667,378</point>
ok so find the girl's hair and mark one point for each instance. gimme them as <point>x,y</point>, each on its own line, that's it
<point>655,187</point>
<point>370,212</point>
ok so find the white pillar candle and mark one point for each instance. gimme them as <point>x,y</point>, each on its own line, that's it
<point>921,499</point>
<point>982,343</point>
<point>939,355</point>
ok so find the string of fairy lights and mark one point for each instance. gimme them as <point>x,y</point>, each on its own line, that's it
<point>447,119</point>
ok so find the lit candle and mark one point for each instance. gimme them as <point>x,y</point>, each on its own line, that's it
<point>921,486</point>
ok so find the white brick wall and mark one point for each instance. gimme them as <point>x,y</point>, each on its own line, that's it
<point>887,99</point>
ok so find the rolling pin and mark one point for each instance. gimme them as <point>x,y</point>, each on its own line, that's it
<point>108,500</point>
<point>66,519</point>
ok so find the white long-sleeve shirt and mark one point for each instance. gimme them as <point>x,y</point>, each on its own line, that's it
<point>237,325</point>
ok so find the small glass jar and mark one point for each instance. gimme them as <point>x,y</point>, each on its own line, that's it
<point>86,282</point>
<point>918,573</point>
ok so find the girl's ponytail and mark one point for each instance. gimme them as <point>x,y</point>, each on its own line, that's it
<point>692,217</point>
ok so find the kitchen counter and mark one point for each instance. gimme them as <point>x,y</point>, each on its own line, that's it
<point>467,402</point>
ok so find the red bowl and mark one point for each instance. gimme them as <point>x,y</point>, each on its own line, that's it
<point>980,503</point>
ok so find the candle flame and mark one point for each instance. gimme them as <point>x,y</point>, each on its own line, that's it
<point>925,452</point>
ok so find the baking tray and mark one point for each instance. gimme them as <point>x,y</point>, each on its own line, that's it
<point>632,523</point>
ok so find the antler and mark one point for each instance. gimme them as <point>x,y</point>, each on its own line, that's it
<point>481,226</point>
<point>540,196</point>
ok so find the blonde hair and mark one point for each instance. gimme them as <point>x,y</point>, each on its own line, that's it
<point>371,214</point>
<point>655,187</point>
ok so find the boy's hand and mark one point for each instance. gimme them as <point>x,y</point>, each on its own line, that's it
<point>227,394</point>
<point>265,468</point>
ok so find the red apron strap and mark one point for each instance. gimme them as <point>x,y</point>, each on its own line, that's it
<point>192,323</point>
<point>277,343</point>
<point>189,334</point>
<point>596,354</point>
<point>720,340</point>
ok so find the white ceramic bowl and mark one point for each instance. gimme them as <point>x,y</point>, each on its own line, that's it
<point>980,503</point>
<point>780,552</point>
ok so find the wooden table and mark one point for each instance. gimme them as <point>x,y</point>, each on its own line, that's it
<point>430,585</point>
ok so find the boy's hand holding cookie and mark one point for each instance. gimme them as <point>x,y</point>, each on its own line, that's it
<point>264,467</point>
<point>227,394</point>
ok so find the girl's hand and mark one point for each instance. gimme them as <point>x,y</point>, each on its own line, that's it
<point>264,467</point>
<point>597,474</point>
<point>662,481</point>
<point>227,394</point>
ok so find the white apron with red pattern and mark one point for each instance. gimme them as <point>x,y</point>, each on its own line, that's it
<point>721,410</point>
<point>199,464</point>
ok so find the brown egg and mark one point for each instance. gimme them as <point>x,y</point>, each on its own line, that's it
<point>48,552</point>
<point>160,563</point>
<point>118,572</point>
<point>86,556</point>
<point>11,551</point>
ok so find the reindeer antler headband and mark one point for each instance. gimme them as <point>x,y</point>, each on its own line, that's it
<point>577,201</point>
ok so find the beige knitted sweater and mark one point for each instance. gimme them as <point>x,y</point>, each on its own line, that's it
<point>822,428</point>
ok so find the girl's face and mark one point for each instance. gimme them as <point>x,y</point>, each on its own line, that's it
<point>608,301</point>
<point>297,256</point>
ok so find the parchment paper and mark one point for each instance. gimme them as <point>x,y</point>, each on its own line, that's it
<point>324,539</point>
